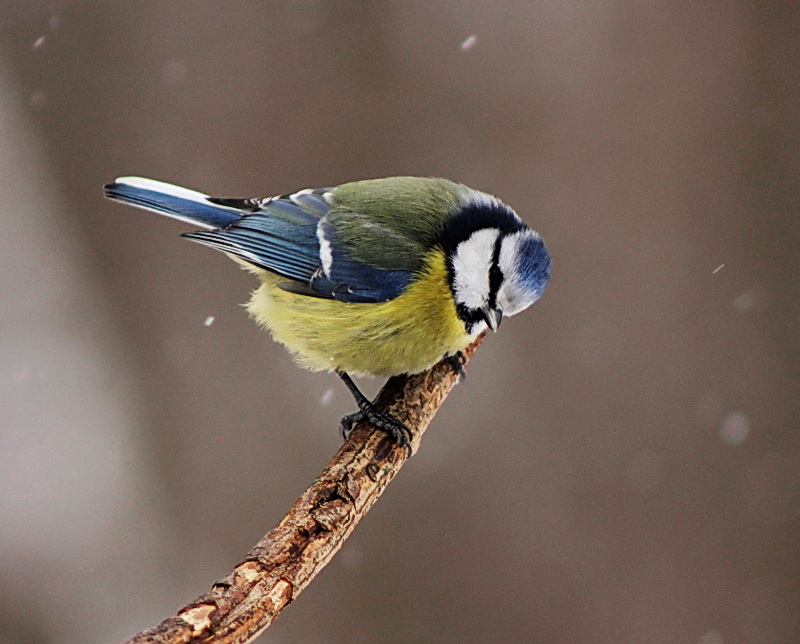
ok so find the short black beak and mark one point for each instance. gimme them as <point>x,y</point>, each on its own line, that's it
<point>493,317</point>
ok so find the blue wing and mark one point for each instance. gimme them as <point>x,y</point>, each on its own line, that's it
<point>352,281</point>
<point>288,235</point>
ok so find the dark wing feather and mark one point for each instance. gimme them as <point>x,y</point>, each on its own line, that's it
<point>247,205</point>
<point>280,235</point>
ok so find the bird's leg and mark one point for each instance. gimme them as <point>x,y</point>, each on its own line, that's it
<point>457,361</point>
<point>388,423</point>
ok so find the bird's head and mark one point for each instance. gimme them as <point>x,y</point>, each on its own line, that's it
<point>498,266</point>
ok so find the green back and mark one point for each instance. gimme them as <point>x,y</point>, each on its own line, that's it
<point>392,223</point>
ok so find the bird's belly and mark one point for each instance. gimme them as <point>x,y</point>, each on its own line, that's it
<point>405,335</point>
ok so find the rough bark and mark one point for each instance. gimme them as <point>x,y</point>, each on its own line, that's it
<point>244,603</point>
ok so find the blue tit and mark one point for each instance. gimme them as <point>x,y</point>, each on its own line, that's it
<point>378,277</point>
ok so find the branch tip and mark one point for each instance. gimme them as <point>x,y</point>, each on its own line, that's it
<point>240,606</point>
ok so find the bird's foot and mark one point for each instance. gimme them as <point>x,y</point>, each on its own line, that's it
<point>386,422</point>
<point>367,411</point>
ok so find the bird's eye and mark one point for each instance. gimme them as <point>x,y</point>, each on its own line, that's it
<point>495,275</point>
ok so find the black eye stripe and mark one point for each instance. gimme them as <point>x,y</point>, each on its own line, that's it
<point>495,273</point>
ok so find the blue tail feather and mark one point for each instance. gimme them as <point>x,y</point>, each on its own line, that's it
<point>165,199</point>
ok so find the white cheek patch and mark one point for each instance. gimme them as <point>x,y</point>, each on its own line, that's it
<point>471,263</point>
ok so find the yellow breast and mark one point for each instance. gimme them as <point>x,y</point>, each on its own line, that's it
<point>405,335</point>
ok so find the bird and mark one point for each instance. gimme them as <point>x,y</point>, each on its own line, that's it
<point>376,277</point>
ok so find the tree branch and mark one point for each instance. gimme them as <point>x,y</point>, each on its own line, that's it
<point>242,604</point>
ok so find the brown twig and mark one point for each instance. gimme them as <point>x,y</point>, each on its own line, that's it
<point>283,563</point>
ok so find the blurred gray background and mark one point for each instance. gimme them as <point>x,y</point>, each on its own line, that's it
<point>622,464</point>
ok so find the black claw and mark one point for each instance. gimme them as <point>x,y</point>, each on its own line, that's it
<point>457,362</point>
<point>347,422</point>
<point>388,423</point>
